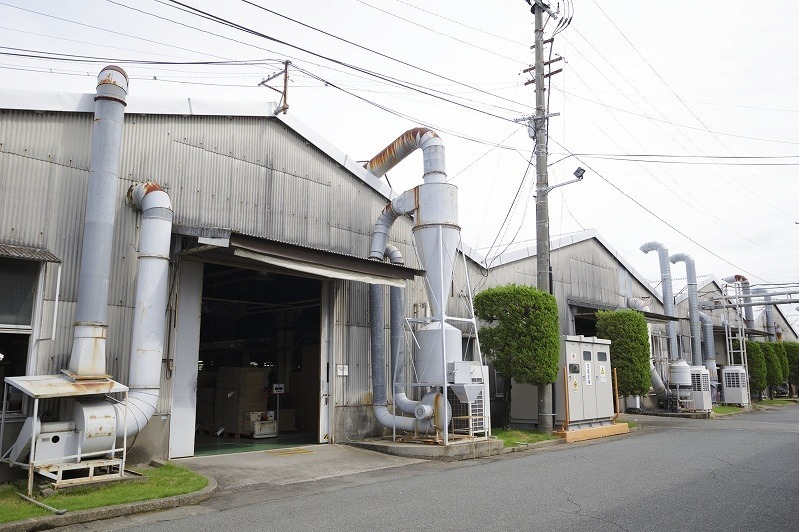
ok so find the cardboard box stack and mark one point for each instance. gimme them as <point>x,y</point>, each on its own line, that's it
<point>239,391</point>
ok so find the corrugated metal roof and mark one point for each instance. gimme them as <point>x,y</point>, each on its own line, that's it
<point>27,253</point>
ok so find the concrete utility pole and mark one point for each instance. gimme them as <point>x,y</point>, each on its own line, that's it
<point>545,417</point>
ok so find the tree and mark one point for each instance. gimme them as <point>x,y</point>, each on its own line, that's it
<point>757,367</point>
<point>521,339</point>
<point>629,346</point>
<point>792,351</point>
<point>773,367</point>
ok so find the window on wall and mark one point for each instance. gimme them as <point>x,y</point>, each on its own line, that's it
<point>18,280</point>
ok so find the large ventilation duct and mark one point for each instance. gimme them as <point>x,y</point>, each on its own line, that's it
<point>693,306</point>
<point>88,356</point>
<point>152,296</point>
<point>397,327</point>
<point>749,318</point>
<point>149,319</point>
<point>710,345</point>
<point>437,234</point>
<point>668,294</point>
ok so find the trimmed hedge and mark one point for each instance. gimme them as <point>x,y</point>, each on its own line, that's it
<point>792,352</point>
<point>773,366</point>
<point>757,367</point>
<point>522,339</point>
<point>627,332</point>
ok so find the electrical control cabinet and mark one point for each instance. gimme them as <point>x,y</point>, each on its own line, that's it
<point>584,388</point>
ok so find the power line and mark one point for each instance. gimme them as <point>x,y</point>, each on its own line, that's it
<point>467,43</point>
<point>137,37</point>
<point>659,218</point>
<point>706,128</point>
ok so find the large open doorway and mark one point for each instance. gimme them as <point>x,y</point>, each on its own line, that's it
<point>258,381</point>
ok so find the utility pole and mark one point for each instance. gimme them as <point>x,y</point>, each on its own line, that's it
<point>545,410</point>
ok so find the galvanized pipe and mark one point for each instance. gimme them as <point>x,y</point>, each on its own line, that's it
<point>668,294</point>
<point>693,306</point>
<point>149,321</point>
<point>88,354</point>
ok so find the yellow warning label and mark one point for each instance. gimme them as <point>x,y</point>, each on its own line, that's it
<point>574,384</point>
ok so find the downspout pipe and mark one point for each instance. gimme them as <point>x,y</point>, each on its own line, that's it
<point>668,293</point>
<point>152,295</point>
<point>88,356</point>
<point>693,306</point>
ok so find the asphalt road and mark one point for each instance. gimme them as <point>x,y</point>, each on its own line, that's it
<point>739,473</point>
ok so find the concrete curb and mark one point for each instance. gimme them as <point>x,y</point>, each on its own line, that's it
<point>532,446</point>
<point>108,512</point>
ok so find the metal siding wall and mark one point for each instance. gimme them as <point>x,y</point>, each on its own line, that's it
<point>250,175</point>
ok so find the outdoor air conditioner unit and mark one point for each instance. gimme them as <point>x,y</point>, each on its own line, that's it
<point>700,389</point>
<point>734,389</point>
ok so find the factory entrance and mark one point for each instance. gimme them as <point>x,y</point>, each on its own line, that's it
<point>259,360</point>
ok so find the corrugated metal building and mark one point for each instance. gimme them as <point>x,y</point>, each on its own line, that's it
<point>266,214</point>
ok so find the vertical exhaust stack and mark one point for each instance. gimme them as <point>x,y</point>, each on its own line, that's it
<point>88,356</point>
<point>693,306</point>
<point>668,294</point>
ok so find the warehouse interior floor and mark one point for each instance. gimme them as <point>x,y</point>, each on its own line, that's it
<point>207,445</point>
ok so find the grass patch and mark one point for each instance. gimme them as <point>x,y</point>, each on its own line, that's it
<point>511,437</point>
<point>726,409</point>
<point>161,482</point>
<point>632,424</point>
<point>775,402</point>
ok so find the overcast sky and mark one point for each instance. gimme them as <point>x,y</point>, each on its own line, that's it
<point>686,111</point>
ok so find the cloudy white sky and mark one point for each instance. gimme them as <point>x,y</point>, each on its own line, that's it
<point>682,113</point>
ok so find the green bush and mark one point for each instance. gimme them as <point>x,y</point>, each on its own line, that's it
<point>521,339</point>
<point>792,352</point>
<point>627,332</point>
<point>757,367</point>
<point>773,366</point>
<point>782,356</point>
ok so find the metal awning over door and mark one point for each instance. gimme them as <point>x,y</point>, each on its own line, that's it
<point>320,263</point>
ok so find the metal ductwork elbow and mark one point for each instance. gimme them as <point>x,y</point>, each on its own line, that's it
<point>668,293</point>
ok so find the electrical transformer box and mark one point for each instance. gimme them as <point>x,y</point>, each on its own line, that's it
<point>584,388</point>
